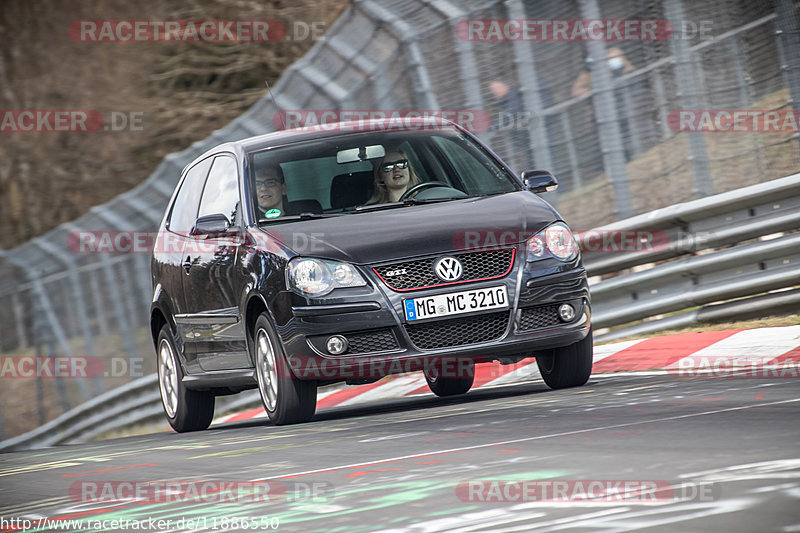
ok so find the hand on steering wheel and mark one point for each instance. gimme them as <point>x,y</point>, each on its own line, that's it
<point>421,187</point>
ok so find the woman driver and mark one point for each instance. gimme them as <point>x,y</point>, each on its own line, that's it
<point>393,177</point>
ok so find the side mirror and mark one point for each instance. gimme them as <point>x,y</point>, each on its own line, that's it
<point>211,225</point>
<point>539,181</point>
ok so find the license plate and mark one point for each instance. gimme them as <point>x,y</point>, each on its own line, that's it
<point>455,303</point>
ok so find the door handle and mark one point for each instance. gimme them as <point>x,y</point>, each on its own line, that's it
<point>187,264</point>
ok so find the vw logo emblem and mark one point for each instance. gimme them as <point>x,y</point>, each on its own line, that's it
<point>448,268</point>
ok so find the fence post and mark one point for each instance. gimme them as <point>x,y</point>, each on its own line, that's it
<point>99,309</point>
<point>788,36</point>
<point>408,38</point>
<point>123,323</point>
<point>688,96</point>
<point>605,112</point>
<point>572,154</point>
<point>43,311</point>
<point>19,316</point>
<point>661,99</point>
<point>470,76</point>
<point>81,310</point>
<point>531,98</point>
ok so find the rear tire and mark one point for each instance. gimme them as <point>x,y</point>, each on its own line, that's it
<point>186,410</point>
<point>443,385</point>
<point>567,366</point>
<point>286,399</point>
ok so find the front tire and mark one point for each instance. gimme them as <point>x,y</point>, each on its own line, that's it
<point>186,410</point>
<point>286,399</point>
<point>567,366</point>
<point>443,385</point>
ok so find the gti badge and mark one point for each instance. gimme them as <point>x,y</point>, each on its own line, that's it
<point>448,268</point>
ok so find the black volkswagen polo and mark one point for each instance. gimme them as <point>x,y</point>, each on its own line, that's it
<point>347,252</point>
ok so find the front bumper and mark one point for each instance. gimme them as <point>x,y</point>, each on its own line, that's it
<point>381,340</point>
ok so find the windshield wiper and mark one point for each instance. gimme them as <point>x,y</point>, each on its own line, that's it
<point>405,203</point>
<point>294,218</point>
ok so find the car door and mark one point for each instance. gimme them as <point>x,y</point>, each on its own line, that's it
<point>169,251</point>
<point>211,297</point>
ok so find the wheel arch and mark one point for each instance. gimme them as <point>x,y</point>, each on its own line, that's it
<point>254,307</point>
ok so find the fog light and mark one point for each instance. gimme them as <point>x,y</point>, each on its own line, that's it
<point>336,345</point>
<point>566,312</point>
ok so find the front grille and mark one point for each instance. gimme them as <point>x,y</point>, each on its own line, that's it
<point>538,317</point>
<point>420,274</point>
<point>458,331</point>
<point>371,341</point>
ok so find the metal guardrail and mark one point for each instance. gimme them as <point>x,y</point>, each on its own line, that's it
<point>134,397</point>
<point>712,252</point>
<point>719,248</point>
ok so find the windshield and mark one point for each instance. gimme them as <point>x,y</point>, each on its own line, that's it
<point>361,172</point>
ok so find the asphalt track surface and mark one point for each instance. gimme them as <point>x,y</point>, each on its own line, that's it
<point>672,454</point>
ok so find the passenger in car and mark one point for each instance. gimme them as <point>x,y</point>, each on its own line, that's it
<point>393,176</point>
<point>270,190</point>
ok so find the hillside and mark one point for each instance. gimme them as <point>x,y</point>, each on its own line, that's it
<point>181,92</point>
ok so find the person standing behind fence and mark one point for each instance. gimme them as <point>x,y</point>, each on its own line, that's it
<point>512,120</point>
<point>618,65</point>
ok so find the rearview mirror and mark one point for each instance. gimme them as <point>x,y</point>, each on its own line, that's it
<point>361,153</point>
<point>539,181</point>
<point>211,225</point>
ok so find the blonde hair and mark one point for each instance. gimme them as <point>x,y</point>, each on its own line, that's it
<point>380,195</point>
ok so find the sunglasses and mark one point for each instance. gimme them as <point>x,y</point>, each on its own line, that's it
<point>268,183</point>
<point>391,165</point>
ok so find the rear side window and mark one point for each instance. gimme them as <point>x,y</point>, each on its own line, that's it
<point>221,194</point>
<point>184,210</point>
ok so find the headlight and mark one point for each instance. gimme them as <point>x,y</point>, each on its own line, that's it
<point>317,277</point>
<point>556,240</point>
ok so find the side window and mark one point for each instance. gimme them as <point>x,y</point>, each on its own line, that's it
<point>184,210</point>
<point>221,194</point>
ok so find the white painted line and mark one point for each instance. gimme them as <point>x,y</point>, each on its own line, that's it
<point>529,372</point>
<point>528,439</point>
<point>746,348</point>
<point>607,350</point>
<point>321,393</point>
<point>393,388</point>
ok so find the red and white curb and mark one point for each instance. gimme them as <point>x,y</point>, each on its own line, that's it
<point>683,354</point>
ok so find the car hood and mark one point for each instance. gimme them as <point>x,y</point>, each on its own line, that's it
<point>404,232</point>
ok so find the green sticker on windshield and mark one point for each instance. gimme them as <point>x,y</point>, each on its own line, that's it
<point>272,213</point>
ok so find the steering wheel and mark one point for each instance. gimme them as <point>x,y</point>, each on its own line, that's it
<point>421,187</point>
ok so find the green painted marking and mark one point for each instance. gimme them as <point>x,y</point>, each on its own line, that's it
<point>357,500</point>
<point>526,476</point>
<point>452,510</point>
